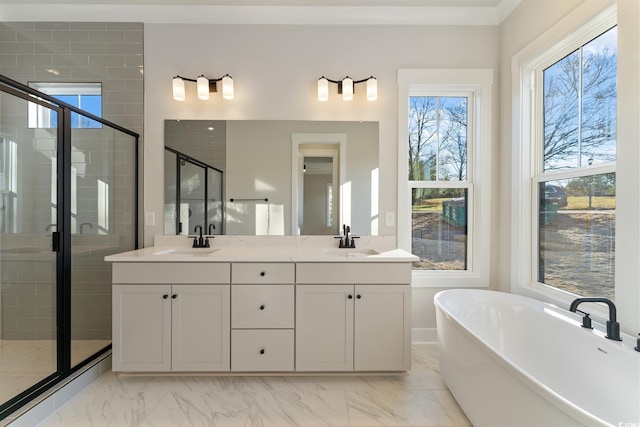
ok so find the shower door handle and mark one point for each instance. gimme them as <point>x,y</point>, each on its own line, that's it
<point>55,241</point>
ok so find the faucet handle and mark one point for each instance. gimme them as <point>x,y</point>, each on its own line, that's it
<point>586,320</point>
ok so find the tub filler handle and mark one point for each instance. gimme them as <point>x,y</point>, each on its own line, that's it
<point>586,320</point>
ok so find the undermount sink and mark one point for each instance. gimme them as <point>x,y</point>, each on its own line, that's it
<point>350,252</point>
<point>187,251</point>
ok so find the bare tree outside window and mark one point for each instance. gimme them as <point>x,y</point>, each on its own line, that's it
<point>576,217</point>
<point>580,106</point>
<point>438,140</point>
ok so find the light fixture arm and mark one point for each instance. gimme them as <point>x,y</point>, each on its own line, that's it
<point>227,86</point>
<point>372,87</point>
<point>339,82</point>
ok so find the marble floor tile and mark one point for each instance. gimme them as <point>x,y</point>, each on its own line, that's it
<point>324,408</point>
<point>105,410</point>
<point>218,408</point>
<point>391,408</point>
<point>417,398</point>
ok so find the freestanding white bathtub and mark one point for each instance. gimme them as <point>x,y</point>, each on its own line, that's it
<point>514,361</point>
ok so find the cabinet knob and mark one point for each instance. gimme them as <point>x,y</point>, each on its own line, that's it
<point>263,273</point>
<point>174,296</point>
<point>262,351</point>
<point>165,296</point>
<point>359,296</point>
<point>350,296</point>
<point>262,307</point>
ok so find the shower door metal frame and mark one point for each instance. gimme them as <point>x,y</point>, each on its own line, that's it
<point>61,238</point>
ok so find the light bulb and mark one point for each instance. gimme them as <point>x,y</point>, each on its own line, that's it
<point>372,89</point>
<point>203,88</point>
<point>227,87</point>
<point>178,89</point>
<point>323,89</point>
<point>347,89</point>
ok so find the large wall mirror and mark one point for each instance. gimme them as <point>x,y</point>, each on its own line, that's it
<point>270,177</point>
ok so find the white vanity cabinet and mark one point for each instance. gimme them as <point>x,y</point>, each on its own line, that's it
<point>243,311</point>
<point>262,316</point>
<point>171,317</point>
<point>362,325</point>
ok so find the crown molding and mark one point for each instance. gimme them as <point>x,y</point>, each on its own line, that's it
<point>222,14</point>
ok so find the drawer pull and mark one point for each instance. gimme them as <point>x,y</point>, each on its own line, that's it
<point>359,296</point>
<point>262,351</point>
<point>165,296</point>
<point>263,273</point>
<point>350,296</point>
<point>174,296</point>
<point>262,307</point>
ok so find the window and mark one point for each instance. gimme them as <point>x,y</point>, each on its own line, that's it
<point>86,96</point>
<point>575,174</point>
<point>564,159</point>
<point>438,139</point>
<point>445,171</point>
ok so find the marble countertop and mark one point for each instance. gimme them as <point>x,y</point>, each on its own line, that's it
<point>263,250</point>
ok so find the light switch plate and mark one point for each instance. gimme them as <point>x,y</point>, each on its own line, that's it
<point>390,219</point>
<point>150,218</point>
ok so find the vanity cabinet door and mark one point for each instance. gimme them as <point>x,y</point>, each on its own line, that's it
<point>141,328</point>
<point>382,337</point>
<point>200,327</point>
<point>324,327</point>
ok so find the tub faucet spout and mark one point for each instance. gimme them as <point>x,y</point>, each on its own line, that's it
<point>613,327</point>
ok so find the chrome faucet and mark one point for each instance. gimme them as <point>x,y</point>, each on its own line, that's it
<point>200,241</point>
<point>613,327</point>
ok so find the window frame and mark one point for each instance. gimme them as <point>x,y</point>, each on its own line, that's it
<point>527,69</point>
<point>477,85</point>
<point>40,118</point>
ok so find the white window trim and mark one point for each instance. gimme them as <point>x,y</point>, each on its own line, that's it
<point>479,83</point>
<point>583,24</point>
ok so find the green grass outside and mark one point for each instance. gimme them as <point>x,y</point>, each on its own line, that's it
<point>573,203</point>
<point>597,202</point>
<point>430,205</point>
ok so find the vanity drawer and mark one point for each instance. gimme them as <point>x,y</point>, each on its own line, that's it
<point>262,306</point>
<point>262,350</point>
<point>171,272</point>
<point>353,272</point>
<point>268,272</point>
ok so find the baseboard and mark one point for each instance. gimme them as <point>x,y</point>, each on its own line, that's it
<point>35,412</point>
<point>424,335</point>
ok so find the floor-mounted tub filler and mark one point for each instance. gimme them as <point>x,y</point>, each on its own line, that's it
<point>510,361</point>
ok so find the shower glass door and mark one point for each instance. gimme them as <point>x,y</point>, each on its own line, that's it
<point>103,198</point>
<point>28,265</point>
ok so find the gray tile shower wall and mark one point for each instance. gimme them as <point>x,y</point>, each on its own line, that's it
<point>108,53</point>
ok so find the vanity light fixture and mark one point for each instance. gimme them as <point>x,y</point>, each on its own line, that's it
<point>346,88</point>
<point>205,86</point>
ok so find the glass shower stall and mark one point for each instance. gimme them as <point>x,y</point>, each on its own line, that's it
<point>68,198</point>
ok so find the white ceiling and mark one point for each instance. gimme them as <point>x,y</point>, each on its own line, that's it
<point>316,12</point>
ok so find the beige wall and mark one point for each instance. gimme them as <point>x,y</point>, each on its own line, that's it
<point>275,69</point>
